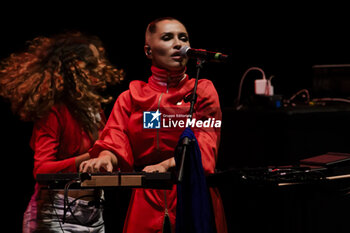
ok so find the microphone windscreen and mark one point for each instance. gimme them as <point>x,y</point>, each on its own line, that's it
<point>183,51</point>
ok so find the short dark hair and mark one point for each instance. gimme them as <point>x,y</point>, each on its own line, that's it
<point>152,25</point>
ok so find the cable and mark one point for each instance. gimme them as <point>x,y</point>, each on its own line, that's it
<point>54,208</point>
<point>331,100</point>
<point>298,93</point>
<point>65,199</point>
<point>67,204</point>
<point>241,83</point>
<point>67,208</point>
<point>76,219</point>
<point>319,100</point>
<point>267,87</point>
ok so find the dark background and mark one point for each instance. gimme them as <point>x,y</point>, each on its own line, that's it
<point>284,40</point>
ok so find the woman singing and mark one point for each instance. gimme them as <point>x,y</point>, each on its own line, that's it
<point>127,144</point>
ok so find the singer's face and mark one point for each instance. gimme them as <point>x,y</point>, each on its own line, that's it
<point>165,43</point>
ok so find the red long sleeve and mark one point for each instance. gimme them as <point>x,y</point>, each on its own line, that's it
<point>208,106</point>
<point>56,140</point>
<point>115,134</point>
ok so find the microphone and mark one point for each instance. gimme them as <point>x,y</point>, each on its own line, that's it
<point>203,54</point>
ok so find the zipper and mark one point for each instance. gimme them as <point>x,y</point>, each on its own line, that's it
<point>166,212</point>
<point>157,132</point>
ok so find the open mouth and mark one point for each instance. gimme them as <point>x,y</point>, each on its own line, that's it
<point>177,56</point>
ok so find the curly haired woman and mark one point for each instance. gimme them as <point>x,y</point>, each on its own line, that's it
<point>56,83</point>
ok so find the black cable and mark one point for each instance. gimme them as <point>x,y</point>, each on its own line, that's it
<point>65,199</point>
<point>67,204</point>
<point>75,218</point>
<point>54,208</point>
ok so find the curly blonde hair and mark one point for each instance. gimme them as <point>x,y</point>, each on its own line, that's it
<point>69,68</point>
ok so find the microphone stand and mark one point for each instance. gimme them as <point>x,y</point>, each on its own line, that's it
<point>186,141</point>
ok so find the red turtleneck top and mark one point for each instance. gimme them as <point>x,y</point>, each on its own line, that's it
<point>136,146</point>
